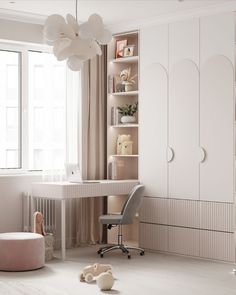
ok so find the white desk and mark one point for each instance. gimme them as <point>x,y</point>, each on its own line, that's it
<point>67,190</point>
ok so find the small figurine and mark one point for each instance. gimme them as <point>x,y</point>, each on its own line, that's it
<point>91,271</point>
<point>38,224</point>
<point>120,139</point>
<point>127,148</point>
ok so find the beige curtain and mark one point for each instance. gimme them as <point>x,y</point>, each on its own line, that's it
<point>85,212</point>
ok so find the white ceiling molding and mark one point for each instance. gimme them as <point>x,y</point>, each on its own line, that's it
<point>131,25</point>
<point>167,18</point>
<point>22,16</point>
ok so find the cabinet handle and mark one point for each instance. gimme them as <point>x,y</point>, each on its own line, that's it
<point>170,154</point>
<point>202,155</point>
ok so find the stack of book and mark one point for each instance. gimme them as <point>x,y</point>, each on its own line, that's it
<point>115,116</point>
<point>116,169</point>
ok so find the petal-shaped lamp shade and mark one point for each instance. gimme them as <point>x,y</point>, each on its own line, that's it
<point>67,31</point>
<point>85,48</point>
<point>54,20</point>
<point>56,27</point>
<point>51,33</point>
<point>96,25</point>
<point>94,29</point>
<point>105,37</point>
<point>52,27</point>
<point>73,42</point>
<point>74,63</point>
<point>62,49</point>
<point>95,21</point>
<point>72,22</point>
<point>85,31</point>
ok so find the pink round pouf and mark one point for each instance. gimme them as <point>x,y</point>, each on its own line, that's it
<point>21,251</point>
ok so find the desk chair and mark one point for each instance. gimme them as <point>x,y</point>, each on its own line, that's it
<point>127,215</point>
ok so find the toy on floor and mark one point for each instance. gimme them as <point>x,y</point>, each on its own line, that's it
<point>48,238</point>
<point>38,224</point>
<point>105,281</point>
<point>91,271</point>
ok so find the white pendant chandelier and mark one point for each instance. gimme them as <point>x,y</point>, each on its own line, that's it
<point>74,42</point>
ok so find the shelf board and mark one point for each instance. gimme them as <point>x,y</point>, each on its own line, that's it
<point>127,60</point>
<point>129,93</point>
<point>125,156</point>
<point>125,126</point>
<point>128,34</point>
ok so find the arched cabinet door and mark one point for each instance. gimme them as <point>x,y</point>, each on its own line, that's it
<point>216,129</point>
<point>153,130</point>
<point>217,35</point>
<point>184,130</point>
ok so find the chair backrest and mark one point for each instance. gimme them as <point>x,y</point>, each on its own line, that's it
<point>132,204</point>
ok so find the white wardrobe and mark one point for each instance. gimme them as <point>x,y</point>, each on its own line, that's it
<point>187,154</point>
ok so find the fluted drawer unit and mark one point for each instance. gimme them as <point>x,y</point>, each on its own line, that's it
<point>183,241</point>
<point>193,228</point>
<point>187,213</point>
<point>191,242</point>
<point>217,245</point>
<point>153,236</point>
<point>217,216</point>
<point>154,210</point>
<point>184,213</point>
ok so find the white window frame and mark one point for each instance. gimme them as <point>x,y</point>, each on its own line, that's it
<point>23,49</point>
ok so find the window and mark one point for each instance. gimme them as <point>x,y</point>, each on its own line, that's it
<point>10,126</point>
<point>38,111</point>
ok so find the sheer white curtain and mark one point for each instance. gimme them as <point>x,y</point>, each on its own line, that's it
<point>53,117</point>
<point>68,121</point>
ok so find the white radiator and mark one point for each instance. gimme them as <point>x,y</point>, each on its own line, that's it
<point>46,207</point>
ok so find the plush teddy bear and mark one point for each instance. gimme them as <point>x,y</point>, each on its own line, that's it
<point>120,139</point>
<point>39,224</point>
<point>91,271</point>
<point>127,148</point>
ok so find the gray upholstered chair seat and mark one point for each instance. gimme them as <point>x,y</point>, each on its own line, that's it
<point>111,219</point>
<point>127,215</point>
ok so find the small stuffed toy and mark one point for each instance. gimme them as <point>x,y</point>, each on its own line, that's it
<point>91,271</point>
<point>105,281</point>
<point>120,139</point>
<point>127,148</point>
<point>38,224</point>
<point>48,238</point>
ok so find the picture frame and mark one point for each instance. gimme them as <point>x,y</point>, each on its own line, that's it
<point>120,44</point>
<point>128,50</point>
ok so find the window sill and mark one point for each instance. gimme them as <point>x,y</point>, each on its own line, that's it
<point>27,173</point>
<point>18,173</point>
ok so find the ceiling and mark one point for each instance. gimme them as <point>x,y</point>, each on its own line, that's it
<point>112,11</point>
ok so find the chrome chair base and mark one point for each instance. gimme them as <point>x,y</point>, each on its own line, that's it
<point>125,249</point>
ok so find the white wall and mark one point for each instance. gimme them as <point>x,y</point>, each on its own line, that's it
<point>11,190</point>
<point>12,187</point>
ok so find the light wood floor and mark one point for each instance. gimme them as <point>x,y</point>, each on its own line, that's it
<point>152,274</point>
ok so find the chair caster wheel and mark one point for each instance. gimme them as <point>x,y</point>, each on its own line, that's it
<point>129,256</point>
<point>101,255</point>
<point>99,251</point>
<point>142,253</point>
